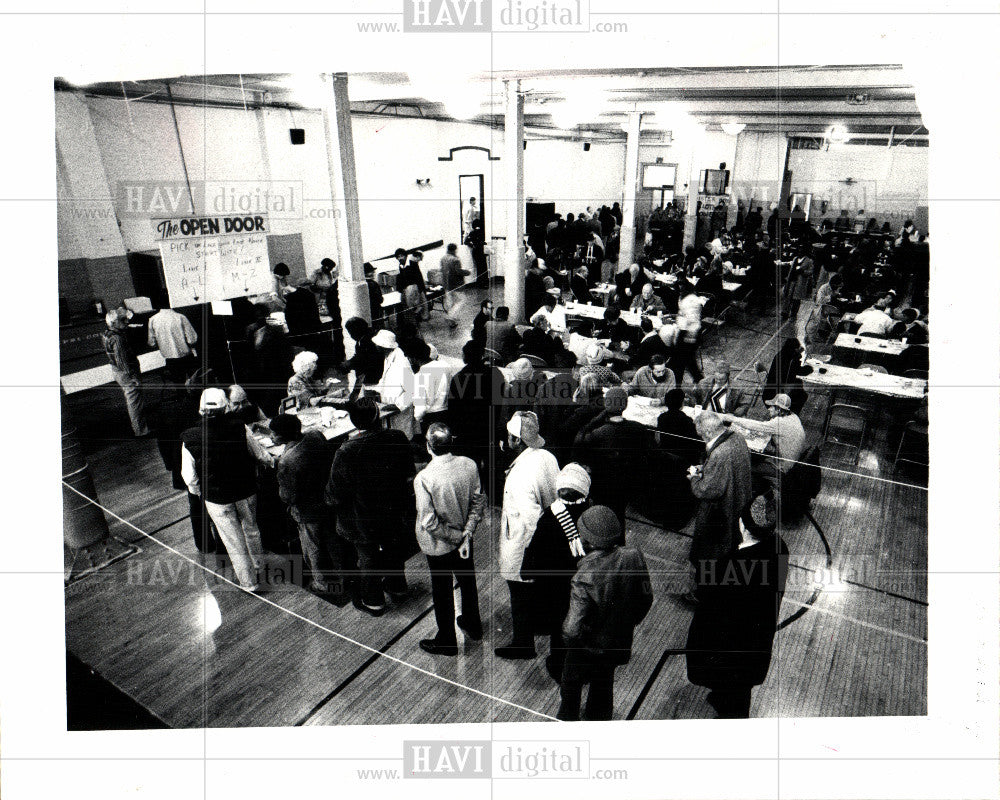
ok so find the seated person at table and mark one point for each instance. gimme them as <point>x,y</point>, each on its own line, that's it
<point>501,335</point>
<point>678,435</point>
<point>653,380</point>
<point>521,390</point>
<point>554,314</point>
<point>613,327</point>
<point>479,322</point>
<point>578,285</point>
<point>874,321</point>
<point>647,302</point>
<point>829,291</point>
<point>787,433</point>
<point>301,385</point>
<point>593,364</point>
<point>367,361</point>
<point>628,285</point>
<point>716,392</point>
<point>538,342</point>
<point>916,329</point>
<point>649,345</point>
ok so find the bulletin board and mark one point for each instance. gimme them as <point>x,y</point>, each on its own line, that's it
<point>213,258</point>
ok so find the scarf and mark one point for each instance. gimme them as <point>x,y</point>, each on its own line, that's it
<point>565,521</point>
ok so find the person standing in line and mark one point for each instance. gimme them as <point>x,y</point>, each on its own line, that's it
<point>216,464</point>
<point>374,297</point>
<point>125,368</point>
<point>450,505</point>
<point>369,489</point>
<point>723,485</point>
<point>551,558</point>
<point>173,335</point>
<point>301,472</point>
<point>470,213</point>
<point>529,489</point>
<point>397,383</point>
<point>610,594</point>
<point>411,285</point>
<point>731,637</point>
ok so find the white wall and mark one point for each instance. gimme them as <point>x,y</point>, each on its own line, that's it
<point>561,172</point>
<point>887,183</point>
<point>760,163</point>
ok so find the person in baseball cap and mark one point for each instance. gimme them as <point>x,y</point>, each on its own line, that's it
<point>213,402</point>
<point>781,401</point>
<point>523,427</point>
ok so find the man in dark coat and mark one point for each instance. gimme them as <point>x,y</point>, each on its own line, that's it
<point>722,484</point>
<point>732,633</point>
<point>609,596</point>
<point>551,558</point>
<point>374,297</point>
<point>471,396</point>
<point>302,471</point>
<point>614,448</point>
<point>371,493</point>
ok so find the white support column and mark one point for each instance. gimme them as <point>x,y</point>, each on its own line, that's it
<point>626,249</point>
<point>344,192</point>
<point>694,177</point>
<point>513,164</point>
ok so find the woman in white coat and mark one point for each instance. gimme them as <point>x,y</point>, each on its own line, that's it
<point>397,383</point>
<point>530,488</point>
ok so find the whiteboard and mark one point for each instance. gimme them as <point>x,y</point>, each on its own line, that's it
<point>656,176</point>
<point>202,268</point>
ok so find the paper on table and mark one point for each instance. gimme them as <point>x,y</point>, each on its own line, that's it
<point>222,308</point>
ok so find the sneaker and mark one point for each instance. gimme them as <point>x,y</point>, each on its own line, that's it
<point>435,648</point>
<point>375,611</point>
<point>473,632</point>
<point>513,652</point>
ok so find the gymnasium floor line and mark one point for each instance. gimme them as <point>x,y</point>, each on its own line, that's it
<point>308,621</point>
<point>357,673</point>
<point>637,706</point>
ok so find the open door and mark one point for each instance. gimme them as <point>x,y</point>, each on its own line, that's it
<point>471,187</point>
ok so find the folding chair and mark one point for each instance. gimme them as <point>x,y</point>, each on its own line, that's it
<point>845,419</point>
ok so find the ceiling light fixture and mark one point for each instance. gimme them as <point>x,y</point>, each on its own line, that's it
<point>733,128</point>
<point>837,134</point>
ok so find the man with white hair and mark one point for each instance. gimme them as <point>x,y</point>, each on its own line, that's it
<point>530,488</point>
<point>647,302</point>
<point>217,466</point>
<point>125,367</point>
<point>723,486</point>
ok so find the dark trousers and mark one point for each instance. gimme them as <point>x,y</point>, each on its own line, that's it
<point>586,669</point>
<point>444,571</point>
<point>730,701</point>
<point>205,537</point>
<point>180,369</point>
<point>686,358</point>
<point>376,569</point>
<point>522,613</point>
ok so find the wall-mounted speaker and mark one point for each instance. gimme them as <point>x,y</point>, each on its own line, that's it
<point>722,165</point>
<point>586,146</point>
<point>297,135</point>
<point>524,145</point>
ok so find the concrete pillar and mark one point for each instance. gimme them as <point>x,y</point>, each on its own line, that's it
<point>694,177</point>
<point>346,220</point>
<point>626,249</point>
<point>513,165</point>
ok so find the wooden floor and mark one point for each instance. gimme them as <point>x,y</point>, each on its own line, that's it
<point>199,653</point>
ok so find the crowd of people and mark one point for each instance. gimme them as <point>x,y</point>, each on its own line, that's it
<point>532,425</point>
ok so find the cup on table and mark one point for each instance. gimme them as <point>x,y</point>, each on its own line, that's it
<point>326,416</point>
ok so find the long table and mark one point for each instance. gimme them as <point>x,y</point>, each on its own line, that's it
<point>640,410</point>
<point>869,344</point>
<point>864,380</point>
<point>632,318</point>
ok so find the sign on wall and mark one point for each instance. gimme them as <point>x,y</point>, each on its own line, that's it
<point>213,258</point>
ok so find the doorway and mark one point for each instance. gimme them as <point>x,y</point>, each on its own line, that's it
<point>470,186</point>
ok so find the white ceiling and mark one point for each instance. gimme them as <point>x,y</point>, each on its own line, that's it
<point>872,99</point>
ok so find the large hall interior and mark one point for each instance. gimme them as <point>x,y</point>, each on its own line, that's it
<point>513,244</point>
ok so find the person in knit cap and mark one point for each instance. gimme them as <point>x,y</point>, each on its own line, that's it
<point>529,489</point>
<point>732,632</point>
<point>610,594</point>
<point>552,555</point>
<point>615,450</point>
